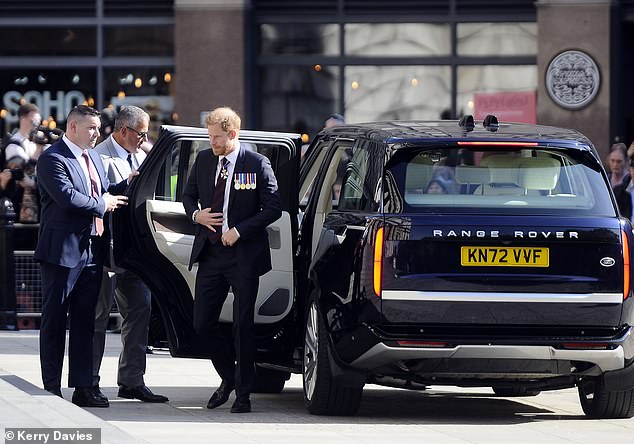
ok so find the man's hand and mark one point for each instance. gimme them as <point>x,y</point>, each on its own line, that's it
<point>230,237</point>
<point>5,178</point>
<point>113,202</point>
<point>132,175</point>
<point>208,219</point>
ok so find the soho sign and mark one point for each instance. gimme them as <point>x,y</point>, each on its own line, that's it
<point>62,103</point>
<point>572,79</point>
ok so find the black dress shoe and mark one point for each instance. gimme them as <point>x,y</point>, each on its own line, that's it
<point>220,396</point>
<point>241,405</point>
<point>55,391</point>
<point>142,393</point>
<point>98,393</point>
<point>85,397</point>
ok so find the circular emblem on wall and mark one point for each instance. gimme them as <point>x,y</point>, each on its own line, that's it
<point>572,79</point>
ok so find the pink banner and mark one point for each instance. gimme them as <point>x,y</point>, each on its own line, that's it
<point>507,106</point>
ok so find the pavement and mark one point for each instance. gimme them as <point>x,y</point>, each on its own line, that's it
<point>438,415</point>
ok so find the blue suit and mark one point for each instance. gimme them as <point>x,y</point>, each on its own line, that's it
<point>70,260</point>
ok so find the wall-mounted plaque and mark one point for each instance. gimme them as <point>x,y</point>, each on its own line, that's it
<point>573,79</point>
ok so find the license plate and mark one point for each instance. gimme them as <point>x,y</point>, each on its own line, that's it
<point>504,257</point>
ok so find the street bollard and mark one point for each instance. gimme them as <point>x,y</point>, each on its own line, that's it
<point>8,314</point>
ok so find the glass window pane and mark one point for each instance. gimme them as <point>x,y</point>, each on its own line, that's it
<point>497,39</point>
<point>54,91</point>
<point>396,92</point>
<point>297,98</point>
<point>40,41</point>
<point>492,79</point>
<point>397,39</point>
<point>152,41</point>
<point>147,88</point>
<point>299,39</point>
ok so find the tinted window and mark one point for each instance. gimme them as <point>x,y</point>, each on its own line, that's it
<point>487,180</point>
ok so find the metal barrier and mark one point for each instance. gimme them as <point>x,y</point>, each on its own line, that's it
<point>28,283</point>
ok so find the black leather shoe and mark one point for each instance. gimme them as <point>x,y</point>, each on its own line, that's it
<point>141,393</point>
<point>85,397</point>
<point>98,393</point>
<point>220,396</point>
<point>241,405</point>
<point>55,391</point>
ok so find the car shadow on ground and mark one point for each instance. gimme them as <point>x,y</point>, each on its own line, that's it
<point>379,406</point>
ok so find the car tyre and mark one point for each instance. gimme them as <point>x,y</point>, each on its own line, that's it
<point>599,403</point>
<point>269,381</point>
<point>512,392</point>
<point>323,395</point>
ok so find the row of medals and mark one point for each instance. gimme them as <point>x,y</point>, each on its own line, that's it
<point>243,186</point>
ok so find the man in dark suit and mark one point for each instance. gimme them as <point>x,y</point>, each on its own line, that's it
<point>75,195</point>
<point>232,196</point>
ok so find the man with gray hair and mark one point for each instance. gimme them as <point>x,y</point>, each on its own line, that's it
<point>121,155</point>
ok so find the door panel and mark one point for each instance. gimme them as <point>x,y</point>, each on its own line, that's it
<point>177,247</point>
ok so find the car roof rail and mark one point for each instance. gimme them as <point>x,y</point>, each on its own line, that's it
<point>467,122</point>
<point>490,122</point>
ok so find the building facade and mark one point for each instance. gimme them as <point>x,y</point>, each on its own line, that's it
<point>287,65</point>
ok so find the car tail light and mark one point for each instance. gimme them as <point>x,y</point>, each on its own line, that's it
<point>378,262</point>
<point>626,265</point>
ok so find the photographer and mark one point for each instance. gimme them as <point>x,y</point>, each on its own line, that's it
<point>20,143</point>
<point>22,189</point>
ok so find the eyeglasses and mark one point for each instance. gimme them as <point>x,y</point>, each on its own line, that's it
<point>141,134</point>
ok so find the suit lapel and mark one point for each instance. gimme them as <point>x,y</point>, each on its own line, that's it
<point>238,168</point>
<point>211,178</point>
<point>115,161</point>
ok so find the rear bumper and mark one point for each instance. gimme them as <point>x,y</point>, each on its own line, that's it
<point>615,359</point>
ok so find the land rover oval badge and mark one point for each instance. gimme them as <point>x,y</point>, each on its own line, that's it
<point>607,261</point>
<point>572,79</point>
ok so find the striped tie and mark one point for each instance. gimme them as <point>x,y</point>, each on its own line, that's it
<point>218,199</point>
<point>94,186</point>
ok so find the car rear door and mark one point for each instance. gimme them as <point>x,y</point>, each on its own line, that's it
<point>153,236</point>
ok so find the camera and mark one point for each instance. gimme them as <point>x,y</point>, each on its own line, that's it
<point>17,174</point>
<point>43,135</point>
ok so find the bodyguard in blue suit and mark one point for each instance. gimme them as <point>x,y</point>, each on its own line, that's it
<point>75,195</point>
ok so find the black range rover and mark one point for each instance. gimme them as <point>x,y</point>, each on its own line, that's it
<point>414,253</point>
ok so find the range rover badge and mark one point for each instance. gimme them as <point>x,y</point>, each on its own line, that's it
<point>607,261</point>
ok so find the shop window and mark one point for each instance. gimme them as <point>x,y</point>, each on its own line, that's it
<point>299,39</point>
<point>47,41</point>
<point>396,92</point>
<point>147,88</point>
<point>397,39</point>
<point>496,39</point>
<point>139,41</point>
<point>297,98</point>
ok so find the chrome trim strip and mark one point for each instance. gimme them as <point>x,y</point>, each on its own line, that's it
<point>381,355</point>
<point>458,296</point>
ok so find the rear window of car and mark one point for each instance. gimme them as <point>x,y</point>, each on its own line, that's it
<point>489,180</point>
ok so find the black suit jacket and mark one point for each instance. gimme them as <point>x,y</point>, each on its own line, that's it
<point>250,211</point>
<point>623,199</point>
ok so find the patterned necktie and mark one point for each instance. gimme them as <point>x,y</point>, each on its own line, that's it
<point>130,162</point>
<point>94,186</point>
<point>218,199</point>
